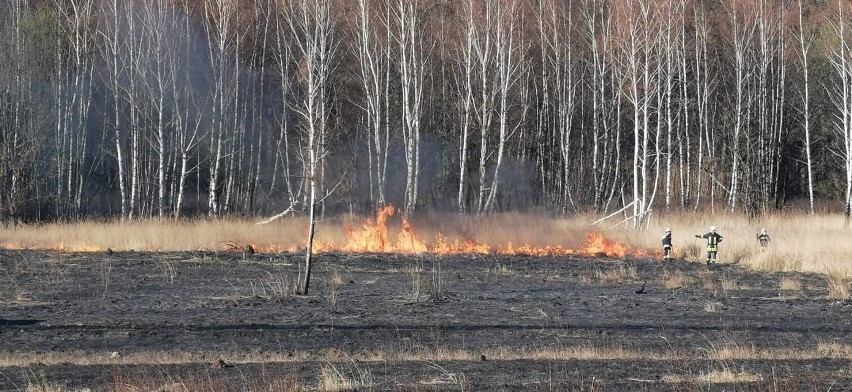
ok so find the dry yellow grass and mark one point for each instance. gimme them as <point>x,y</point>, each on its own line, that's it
<point>716,352</point>
<point>790,284</point>
<point>724,376</point>
<point>838,284</point>
<point>333,379</point>
<point>617,275</point>
<point>676,279</point>
<point>799,242</point>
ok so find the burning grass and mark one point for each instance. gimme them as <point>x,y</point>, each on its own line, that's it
<point>386,232</point>
<point>799,242</point>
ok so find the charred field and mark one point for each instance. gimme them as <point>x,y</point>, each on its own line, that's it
<point>189,321</point>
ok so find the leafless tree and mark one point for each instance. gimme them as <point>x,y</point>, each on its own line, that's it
<point>841,59</point>
<point>373,48</point>
<point>413,52</point>
<point>806,38</point>
<point>312,27</point>
<point>73,93</point>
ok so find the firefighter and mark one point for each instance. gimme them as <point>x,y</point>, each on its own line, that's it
<point>713,239</point>
<point>667,245</point>
<point>763,237</point>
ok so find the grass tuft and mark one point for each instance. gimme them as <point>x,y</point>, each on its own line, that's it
<point>676,279</point>
<point>838,284</point>
<point>790,283</point>
<point>332,379</point>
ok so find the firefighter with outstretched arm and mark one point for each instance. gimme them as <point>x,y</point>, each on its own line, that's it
<point>713,239</point>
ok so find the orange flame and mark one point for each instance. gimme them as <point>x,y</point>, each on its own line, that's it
<point>373,237</point>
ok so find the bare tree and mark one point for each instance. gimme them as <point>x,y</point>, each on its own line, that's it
<point>841,59</point>
<point>73,101</point>
<point>413,55</point>
<point>187,108</point>
<point>114,43</point>
<point>510,67</point>
<point>222,36</point>
<point>806,39</point>
<point>605,85</point>
<point>742,34</point>
<point>373,56</point>
<point>311,24</point>
<point>637,45</point>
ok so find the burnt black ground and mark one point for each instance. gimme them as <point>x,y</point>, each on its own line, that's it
<point>230,306</point>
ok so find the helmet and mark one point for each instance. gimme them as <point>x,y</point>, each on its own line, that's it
<point>712,229</point>
<point>763,231</point>
<point>668,230</point>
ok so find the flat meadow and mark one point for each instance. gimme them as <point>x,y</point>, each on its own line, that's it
<point>799,242</point>
<point>505,302</point>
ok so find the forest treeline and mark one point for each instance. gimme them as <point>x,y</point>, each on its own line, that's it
<point>179,108</point>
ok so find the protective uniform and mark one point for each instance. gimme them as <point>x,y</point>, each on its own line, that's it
<point>763,237</point>
<point>713,239</point>
<point>667,245</point>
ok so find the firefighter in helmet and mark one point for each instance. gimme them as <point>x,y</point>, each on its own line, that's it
<point>713,239</point>
<point>763,238</point>
<point>667,245</point>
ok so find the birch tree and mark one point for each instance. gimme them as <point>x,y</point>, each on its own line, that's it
<point>221,35</point>
<point>605,85</point>
<point>510,67</point>
<point>413,55</point>
<point>113,41</point>
<point>636,49</point>
<point>311,24</point>
<point>22,148</point>
<point>187,108</point>
<point>72,104</point>
<point>805,38</point>
<point>742,35</point>
<point>373,50</point>
<point>841,60</point>
<point>558,77</point>
<point>159,27</point>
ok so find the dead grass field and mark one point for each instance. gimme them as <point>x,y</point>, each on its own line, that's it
<point>799,242</point>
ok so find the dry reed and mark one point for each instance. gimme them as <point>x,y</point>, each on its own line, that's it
<point>799,242</point>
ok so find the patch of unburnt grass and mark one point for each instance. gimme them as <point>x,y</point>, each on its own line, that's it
<point>344,376</point>
<point>720,376</point>
<point>838,284</point>
<point>708,280</point>
<point>790,284</point>
<point>771,260</point>
<point>415,276</point>
<point>334,283</point>
<point>350,364</point>
<point>712,307</point>
<point>151,380</point>
<point>676,279</point>
<point>273,286</point>
<point>621,274</point>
